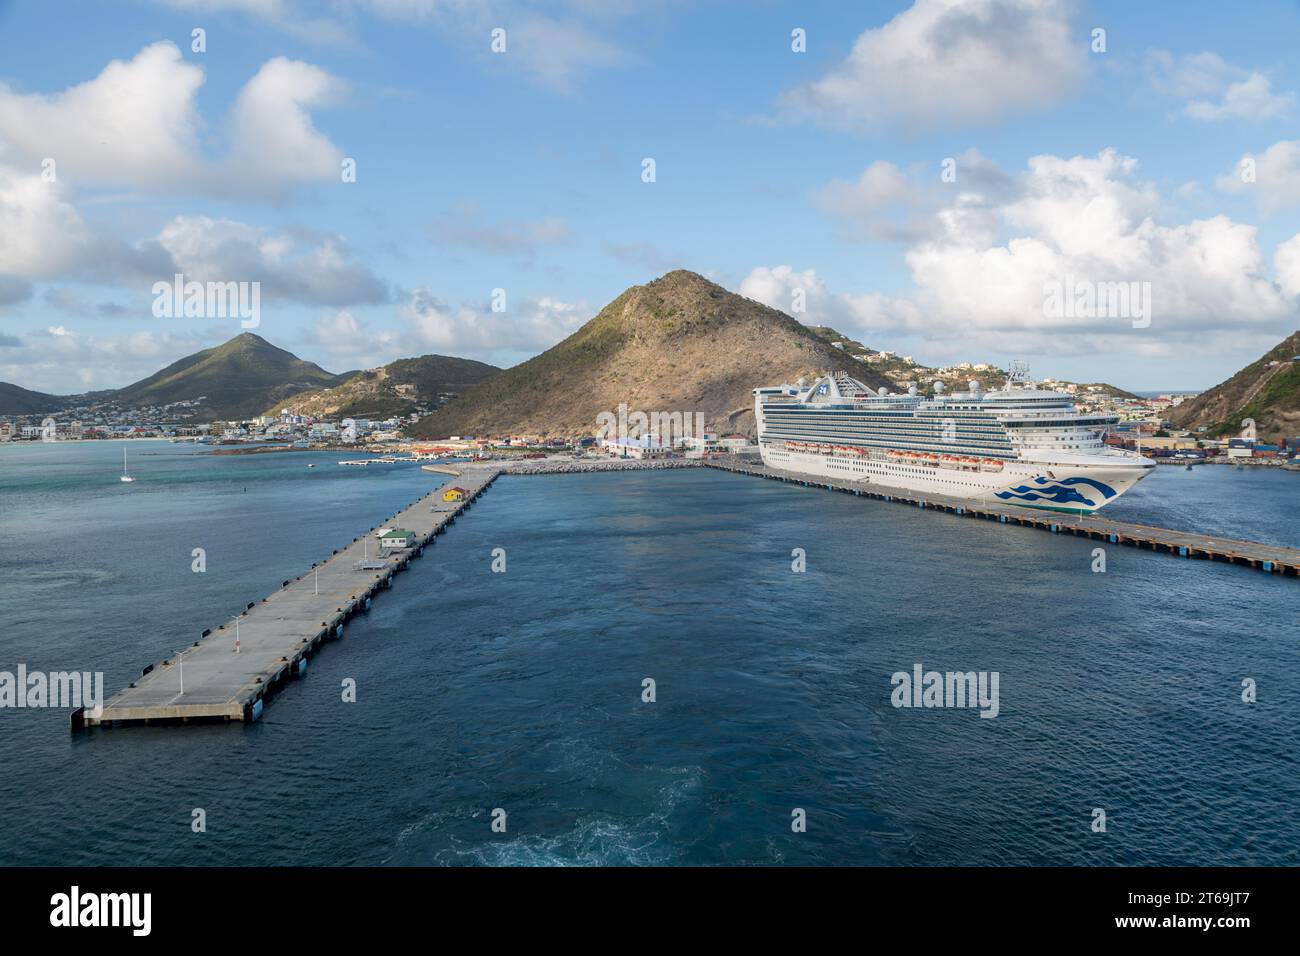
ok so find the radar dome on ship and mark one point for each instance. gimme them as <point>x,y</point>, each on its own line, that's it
<point>974,386</point>
<point>938,388</point>
<point>911,390</point>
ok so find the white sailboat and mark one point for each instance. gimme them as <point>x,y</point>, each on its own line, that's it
<point>125,476</point>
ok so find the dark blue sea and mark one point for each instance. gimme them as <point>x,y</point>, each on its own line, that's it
<point>522,690</point>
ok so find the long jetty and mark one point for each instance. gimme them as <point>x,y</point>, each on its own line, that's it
<point>230,671</point>
<point>1262,557</point>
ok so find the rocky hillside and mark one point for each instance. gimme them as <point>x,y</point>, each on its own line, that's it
<point>902,372</point>
<point>1267,391</point>
<point>414,385</point>
<point>678,344</point>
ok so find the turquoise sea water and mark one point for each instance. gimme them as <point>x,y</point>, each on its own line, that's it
<point>522,690</point>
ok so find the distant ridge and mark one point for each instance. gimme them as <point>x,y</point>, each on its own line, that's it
<point>398,388</point>
<point>678,344</point>
<point>1267,391</point>
<point>236,380</point>
<point>15,400</point>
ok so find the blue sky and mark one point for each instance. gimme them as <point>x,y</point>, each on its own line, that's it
<point>775,171</point>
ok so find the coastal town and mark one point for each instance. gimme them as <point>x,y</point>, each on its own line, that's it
<point>1144,426</point>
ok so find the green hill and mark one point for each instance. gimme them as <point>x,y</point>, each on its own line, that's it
<point>15,400</point>
<point>236,380</point>
<point>407,386</point>
<point>678,344</point>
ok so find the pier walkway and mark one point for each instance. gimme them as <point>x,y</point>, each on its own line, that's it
<point>212,680</point>
<point>278,634</point>
<point>1262,557</point>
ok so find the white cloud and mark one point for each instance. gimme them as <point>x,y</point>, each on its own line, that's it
<point>1287,260</point>
<point>981,280</point>
<point>558,54</point>
<point>781,286</point>
<point>886,203</point>
<point>137,124</point>
<point>531,325</point>
<point>353,343</point>
<point>60,360</point>
<point>1275,176</point>
<point>316,272</point>
<point>43,237</point>
<point>882,184</point>
<point>1215,89</point>
<point>41,233</point>
<point>950,62</point>
<point>275,143</point>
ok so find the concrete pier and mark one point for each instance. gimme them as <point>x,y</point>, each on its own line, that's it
<point>278,634</point>
<point>1262,557</point>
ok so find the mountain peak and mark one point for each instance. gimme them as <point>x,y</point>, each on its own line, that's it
<point>679,343</point>
<point>682,278</point>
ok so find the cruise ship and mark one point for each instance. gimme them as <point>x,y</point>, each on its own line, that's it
<point>1021,445</point>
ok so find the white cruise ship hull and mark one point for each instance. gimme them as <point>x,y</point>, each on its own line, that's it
<point>1053,484</point>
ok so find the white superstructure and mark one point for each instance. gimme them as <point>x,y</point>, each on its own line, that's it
<point>1020,445</point>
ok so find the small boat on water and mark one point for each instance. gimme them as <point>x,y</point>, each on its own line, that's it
<point>125,476</point>
<point>311,466</point>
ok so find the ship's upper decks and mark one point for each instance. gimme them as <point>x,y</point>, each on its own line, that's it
<point>840,389</point>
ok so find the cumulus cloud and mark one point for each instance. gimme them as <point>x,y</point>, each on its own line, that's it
<point>1271,177</point>
<point>275,143</point>
<point>950,62</point>
<point>353,343</point>
<point>1215,89</point>
<point>886,203</point>
<point>60,360</point>
<point>1287,261</point>
<point>531,325</point>
<point>782,287</point>
<point>42,237</point>
<point>1084,219</point>
<point>136,124</point>
<point>41,232</point>
<point>314,272</point>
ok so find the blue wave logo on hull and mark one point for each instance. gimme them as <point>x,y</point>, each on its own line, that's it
<point>1062,492</point>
